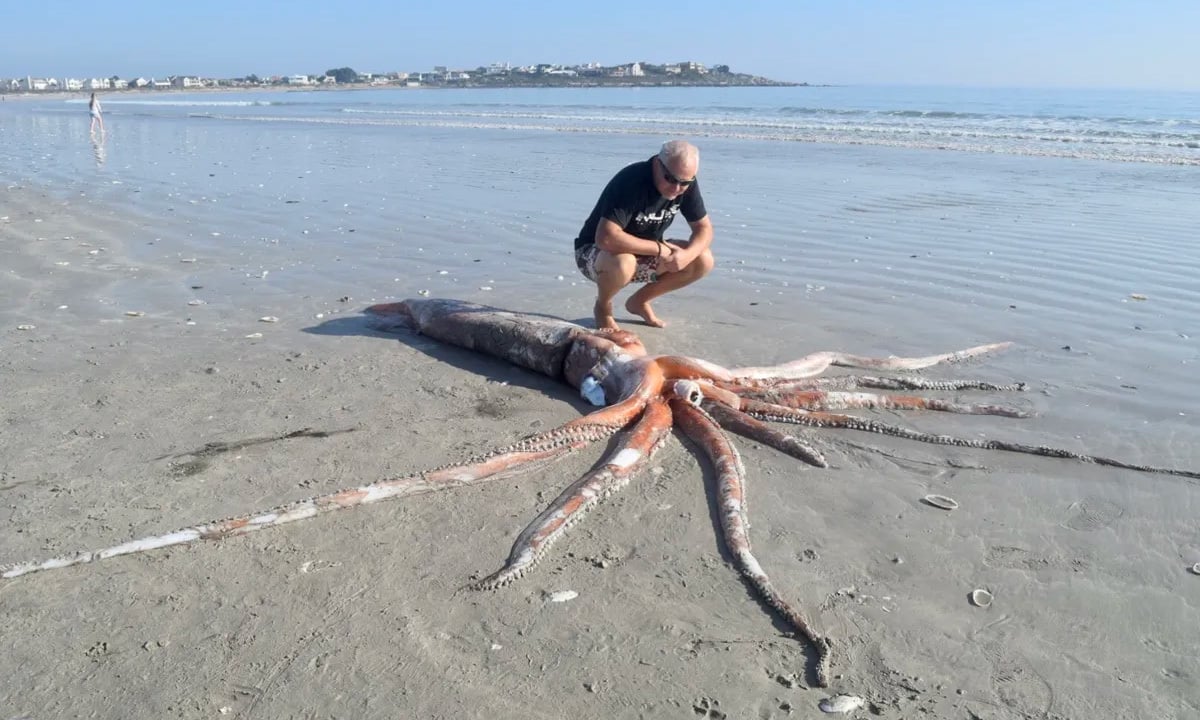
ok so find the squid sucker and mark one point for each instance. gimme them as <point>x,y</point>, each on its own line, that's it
<point>642,398</point>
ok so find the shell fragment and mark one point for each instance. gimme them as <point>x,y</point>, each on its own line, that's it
<point>841,704</point>
<point>981,598</point>
<point>940,501</point>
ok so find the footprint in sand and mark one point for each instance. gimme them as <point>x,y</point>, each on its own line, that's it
<point>1016,558</point>
<point>1092,514</point>
<point>708,708</point>
<point>1017,684</point>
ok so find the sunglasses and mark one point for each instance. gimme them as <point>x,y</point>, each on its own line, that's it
<point>671,178</point>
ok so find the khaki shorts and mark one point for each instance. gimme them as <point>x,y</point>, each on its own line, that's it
<point>646,272</point>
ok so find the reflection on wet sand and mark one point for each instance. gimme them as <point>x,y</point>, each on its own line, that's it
<point>98,148</point>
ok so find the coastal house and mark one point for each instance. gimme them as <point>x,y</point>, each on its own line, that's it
<point>97,84</point>
<point>71,84</point>
<point>297,80</point>
<point>139,83</point>
<point>634,70</point>
<point>32,84</point>
<point>184,81</point>
<point>685,67</point>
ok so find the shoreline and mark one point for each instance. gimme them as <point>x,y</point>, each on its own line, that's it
<point>910,121</point>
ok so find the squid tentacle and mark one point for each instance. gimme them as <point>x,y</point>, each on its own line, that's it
<point>503,462</point>
<point>919,383</point>
<point>780,413</point>
<point>835,400</point>
<point>747,426</point>
<point>852,382</point>
<point>703,430</point>
<point>816,363</point>
<point>630,456</point>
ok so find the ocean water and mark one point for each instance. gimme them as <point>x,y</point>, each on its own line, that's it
<point>1138,126</point>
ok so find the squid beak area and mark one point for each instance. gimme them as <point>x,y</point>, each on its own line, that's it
<point>688,391</point>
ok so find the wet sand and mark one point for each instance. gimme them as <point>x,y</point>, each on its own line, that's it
<point>119,425</point>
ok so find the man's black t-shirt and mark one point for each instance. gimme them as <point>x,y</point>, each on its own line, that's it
<point>632,201</point>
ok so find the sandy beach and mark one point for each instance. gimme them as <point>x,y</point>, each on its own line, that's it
<point>145,392</point>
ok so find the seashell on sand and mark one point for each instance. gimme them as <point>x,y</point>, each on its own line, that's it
<point>27,327</point>
<point>841,704</point>
<point>269,319</point>
<point>563,596</point>
<point>134,313</point>
<point>1196,569</point>
<point>940,501</point>
<point>981,598</point>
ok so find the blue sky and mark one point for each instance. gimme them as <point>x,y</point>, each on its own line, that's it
<point>1055,43</point>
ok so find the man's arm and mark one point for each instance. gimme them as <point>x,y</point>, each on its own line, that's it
<point>613,240</point>
<point>680,257</point>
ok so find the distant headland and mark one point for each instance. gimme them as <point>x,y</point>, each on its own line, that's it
<point>499,75</point>
<point>595,75</point>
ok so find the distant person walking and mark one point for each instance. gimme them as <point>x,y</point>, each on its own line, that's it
<point>94,111</point>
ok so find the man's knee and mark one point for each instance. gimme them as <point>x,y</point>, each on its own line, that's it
<point>620,266</point>
<point>703,264</point>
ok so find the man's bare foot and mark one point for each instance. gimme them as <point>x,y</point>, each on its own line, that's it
<point>644,311</point>
<point>604,318</point>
